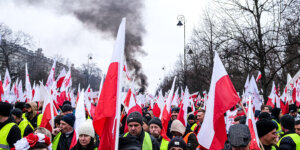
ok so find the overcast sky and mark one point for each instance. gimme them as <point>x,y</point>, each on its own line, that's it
<point>63,34</point>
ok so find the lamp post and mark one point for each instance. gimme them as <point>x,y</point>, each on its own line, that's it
<point>181,22</point>
<point>88,67</point>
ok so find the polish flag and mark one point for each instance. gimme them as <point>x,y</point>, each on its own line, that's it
<point>67,81</point>
<point>174,101</point>
<point>222,96</point>
<point>182,116</point>
<point>80,113</point>
<point>107,116</point>
<point>159,105</point>
<point>166,113</point>
<point>60,78</point>
<point>6,82</point>
<point>49,112</point>
<point>131,106</point>
<point>254,143</point>
<point>258,76</point>
<point>272,96</point>
<point>51,77</point>
<point>28,85</point>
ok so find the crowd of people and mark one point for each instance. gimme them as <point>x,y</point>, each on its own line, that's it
<point>20,130</point>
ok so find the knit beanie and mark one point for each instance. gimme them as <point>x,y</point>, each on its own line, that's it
<point>156,121</point>
<point>135,117</point>
<point>264,115</point>
<point>5,109</point>
<point>176,109</point>
<point>66,108</point>
<point>276,112</point>
<point>292,108</point>
<point>178,127</point>
<point>288,122</point>
<point>191,117</point>
<point>264,126</point>
<point>239,135</point>
<point>87,128</point>
<point>69,119</point>
<point>66,102</point>
<point>177,142</point>
<point>17,112</point>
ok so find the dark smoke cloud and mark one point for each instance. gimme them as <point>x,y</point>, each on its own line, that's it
<point>106,15</point>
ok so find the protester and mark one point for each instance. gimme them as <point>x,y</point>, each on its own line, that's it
<point>179,130</point>
<point>239,137</point>
<point>264,108</point>
<point>177,144</point>
<point>174,114</point>
<point>43,131</point>
<point>9,131</point>
<point>199,119</point>
<point>64,134</point>
<point>57,121</point>
<point>297,127</point>
<point>275,115</point>
<point>66,109</point>
<point>191,122</point>
<point>293,111</point>
<point>290,139</point>
<point>34,142</point>
<point>32,114</point>
<point>135,131</point>
<point>24,125</point>
<point>145,125</point>
<point>155,131</point>
<point>264,115</point>
<point>86,137</point>
<point>266,130</point>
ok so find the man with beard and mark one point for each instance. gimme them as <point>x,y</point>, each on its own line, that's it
<point>32,114</point>
<point>174,114</point>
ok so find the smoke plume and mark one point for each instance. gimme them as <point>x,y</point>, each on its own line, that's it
<point>106,15</point>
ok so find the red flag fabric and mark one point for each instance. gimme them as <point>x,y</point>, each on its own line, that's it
<point>258,76</point>
<point>222,96</point>
<point>48,115</point>
<point>254,143</point>
<point>156,110</point>
<point>61,78</point>
<point>182,116</point>
<point>106,115</point>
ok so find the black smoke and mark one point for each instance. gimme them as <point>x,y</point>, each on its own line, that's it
<point>106,15</point>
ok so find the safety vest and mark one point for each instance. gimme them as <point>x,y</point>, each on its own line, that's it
<point>39,119</point>
<point>147,143</point>
<point>55,141</point>
<point>278,131</point>
<point>164,144</point>
<point>23,124</point>
<point>295,137</point>
<point>4,133</point>
<point>194,126</point>
<point>187,137</point>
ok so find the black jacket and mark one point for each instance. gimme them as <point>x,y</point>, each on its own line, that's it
<point>287,143</point>
<point>138,140</point>
<point>65,141</point>
<point>28,129</point>
<point>192,142</point>
<point>14,134</point>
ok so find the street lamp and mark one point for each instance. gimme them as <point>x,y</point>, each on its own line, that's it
<point>181,22</point>
<point>90,57</point>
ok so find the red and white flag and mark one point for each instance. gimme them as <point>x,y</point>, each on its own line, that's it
<point>107,116</point>
<point>7,81</point>
<point>60,79</point>
<point>28,85</point>
<point>258,76</point>
<point>166,113</point>
<point>80,113</point>
<point>1,89</point>
<point>67,81</point>
<point>254,143</point>
<point>222,96</point>
<point>273,98</point>
<point>49,112</point>
<point>182,116</point>
<point>51,77</point>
